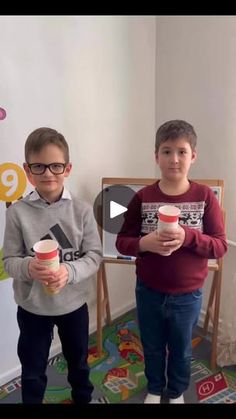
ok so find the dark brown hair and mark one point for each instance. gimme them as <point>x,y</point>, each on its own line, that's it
<point>171,130</point>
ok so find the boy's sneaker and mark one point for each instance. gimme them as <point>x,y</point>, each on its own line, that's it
<point>152,398</point>
<point>178,400</point>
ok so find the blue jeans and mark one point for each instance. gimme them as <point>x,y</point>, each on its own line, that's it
<point>166,323</point>
<point>35,338</point>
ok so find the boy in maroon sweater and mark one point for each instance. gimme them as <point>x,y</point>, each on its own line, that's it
<point>169,288</point>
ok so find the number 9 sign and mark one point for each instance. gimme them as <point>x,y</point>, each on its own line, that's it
<point>12,182</point>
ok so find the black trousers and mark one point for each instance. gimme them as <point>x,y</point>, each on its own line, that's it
<point>36,333</point>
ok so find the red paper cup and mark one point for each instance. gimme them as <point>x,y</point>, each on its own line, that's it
<point>46,249</point>
<point>168,213</point>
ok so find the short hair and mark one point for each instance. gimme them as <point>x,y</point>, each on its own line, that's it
<point>42,137</point>
<point>172,130</point>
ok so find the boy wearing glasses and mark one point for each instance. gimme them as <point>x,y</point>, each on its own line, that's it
<point>51,212</point>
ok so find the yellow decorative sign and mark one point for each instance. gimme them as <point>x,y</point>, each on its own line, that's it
<point>12,182</point>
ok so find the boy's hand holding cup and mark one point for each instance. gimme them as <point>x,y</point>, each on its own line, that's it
<point>168,219</point>
<point>46,252</point>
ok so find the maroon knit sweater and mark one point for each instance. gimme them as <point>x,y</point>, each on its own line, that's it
<point>185,269</point>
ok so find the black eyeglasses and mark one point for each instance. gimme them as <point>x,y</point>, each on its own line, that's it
<point>40,168</point>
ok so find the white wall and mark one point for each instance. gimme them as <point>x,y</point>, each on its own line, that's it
<point>93,79</point>
<point>195,74</point>
<point>97,80</point>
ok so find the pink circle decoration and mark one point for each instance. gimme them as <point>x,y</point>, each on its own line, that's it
<point>3,114</point>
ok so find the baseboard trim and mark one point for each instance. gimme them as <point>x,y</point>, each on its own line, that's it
<point>114,315</point>
<point>201,321</point>
<point>16,371</point>
<point>10,375</point>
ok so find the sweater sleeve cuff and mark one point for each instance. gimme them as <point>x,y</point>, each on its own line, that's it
<point>70,273</point>
<point>25,268</point>
<point>189,235</point>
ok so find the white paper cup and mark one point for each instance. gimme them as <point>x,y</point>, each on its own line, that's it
<point>168,217</point>
<point>46,251</point>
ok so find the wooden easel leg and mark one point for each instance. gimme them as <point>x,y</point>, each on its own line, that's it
<point>209,305</point>
<point>103,305</point>
<point>216,319</point>
<point>106,295</point>
<point>99,311</point>
<point>213,312</point>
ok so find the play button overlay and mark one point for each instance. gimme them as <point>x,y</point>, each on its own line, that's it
<point>116,209</point>
<point>111,205</point>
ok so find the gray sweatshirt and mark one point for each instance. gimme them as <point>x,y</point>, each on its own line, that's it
<point>70,221</point>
